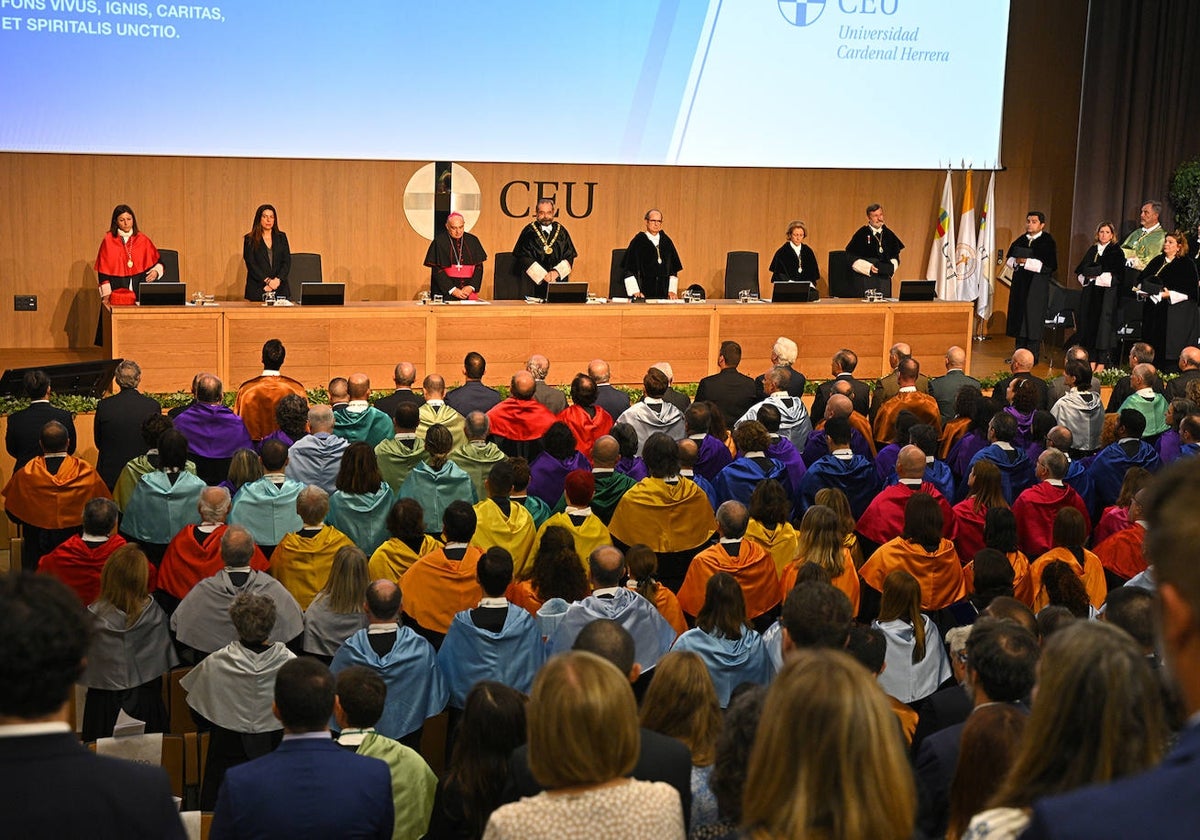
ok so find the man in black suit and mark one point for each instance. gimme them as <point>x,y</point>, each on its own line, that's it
<point>731,390</point>
<point>661,759</point>
<point>404,376</point>
<point>1001,662</point>
<point>53,787</point>
<point>1021,367</point>
<point>24,436</point>
<point>118,424</point>
<point>945,388</point>
<point>1189,369</point>
<point>842,369</point>
<point>783,355</point>
<point>673,396</point>
<point>611,399</point>
<point>473,395</point>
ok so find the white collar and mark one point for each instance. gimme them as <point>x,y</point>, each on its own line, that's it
<point>382,627</point>
<point>602,470</point>
<point>653,237</point>
<point>912,482</point>
<point>842,454</point>
<point>876,230</point>
<point>269,373</point>
<point>652,400</point>
<point>1147,393</point>
<point>908,389</point>
<point>607,590</point>
<point>1152,228</point>
<point>451,545</point>
<point>579,511</point>
<point>20,730</point>
<point>493,602</point>
<point>1054,482</point>
<point>1005,445</point>
<point>358,406</point>
<point>729,540</point>
<point>758,453</point>
<point>354,737</point>
<point>1033,236</point>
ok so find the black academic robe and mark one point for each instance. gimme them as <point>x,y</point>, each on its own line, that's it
<point>878,249</point>
<point>532,247</point>
<point>444,253</point>
<point>652,266</point>
<point>1029,296</point>
<point>1097,327</point>
<point>787,267</point>
<point>260,266</point>
<point>1167,327</point>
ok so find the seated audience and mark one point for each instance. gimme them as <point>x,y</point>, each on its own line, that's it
<point>302,560</point>
<point>477,455</point>
<point>1069,535</point>
<point>316,457</point>
<point>610,485</point>
<point>990,741</point>
<point>1016,470</point>
<point>769,526</point>
<point>1037,505</point>
<point>130,650</point>
<point>79,561</point>
<point>751,567</point>
<point>165,500</point>
<point>267,507</point>
<point>408,542</point>
<point>473,395</point>
<point>438,481</point>
<point>652,413</point>
<point>360,505</point>
<point>713,453</point>
<point>539,510</point>
<point>556,572</point>
<point>588,529</point>
<point>549,469</point>
<point>435,411</point>
<point>842,468</point>
<point>291,419</point>
<point>494,641</point>
<point>358,421</point>
<point>257,398</point>
<point>1111,463</point>
<point>116,428</point>
<point>151,430</point>
<point>213,432</point>
<point>916,661</point>
<point>737,480</point>
<point>336,613</point>
<point>361,695</point>
<point>587,421</point>
<point>642,564</point>
<point>821,541</point>
<point>443,583</point>
<point>883,519</point>
<point>518,422</point>
<point>984,492</point>
<point>401,452</point>
<point>244,468</point>
<point>501,522</point>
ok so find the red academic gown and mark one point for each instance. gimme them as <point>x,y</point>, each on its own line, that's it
<point>585,427</point>
<point>883,519</point>
<point>516,419</point>
<point>968,529</point>
<point>187,561</point>
<point>940,573</point>
<point>44,500</point>
<point>114,256</point>
<point>1035,510</point>
<point>1123,553</point>
<point>752,567</point>
<point>78,564</point>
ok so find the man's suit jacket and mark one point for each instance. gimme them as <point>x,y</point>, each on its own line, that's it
<point>1161,802</point>
<point>1177,387</point>
<point>936,761</point>
<point>1000,390</point>
<point>861,398</point>
<point>392,401</point>
<point>53,787</point>
<point>23,439</point>
<point>945,388</point>
<point>1057,389</point>
<point>731,390</point>
<point>660,760</point>
<point>943,709</point>
<point>472,395</point>
<point>118,431</point>
<point>549,396</point>
<point>677,398</point>
<point>306,788</point>
<point>613,400</point>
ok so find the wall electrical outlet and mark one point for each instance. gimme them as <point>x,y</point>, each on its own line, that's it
<point>25,303</point>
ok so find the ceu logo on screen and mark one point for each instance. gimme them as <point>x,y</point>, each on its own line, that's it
<point>801,12</point>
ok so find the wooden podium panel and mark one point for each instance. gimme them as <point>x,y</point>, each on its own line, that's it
<point>173,343</point>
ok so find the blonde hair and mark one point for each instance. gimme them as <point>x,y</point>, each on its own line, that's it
<point>828,759</point>
<point>682,703</point>
<point>583,724</point>
<point>346,587</point>
<point>901,599</point>
<point>821,540</point>
<point>245,467</point>
<point>124,582</point>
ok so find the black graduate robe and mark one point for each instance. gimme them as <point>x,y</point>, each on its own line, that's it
<point>1029,296</point>
<point>1167,327</point>
<point>787,267</point>
<point>531,248</point>
<point>1097,327</point>
<point>879,249</point>
<point>652,267</point>
<point>443,255</point>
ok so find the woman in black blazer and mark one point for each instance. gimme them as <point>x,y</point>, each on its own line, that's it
<point>267,256</point>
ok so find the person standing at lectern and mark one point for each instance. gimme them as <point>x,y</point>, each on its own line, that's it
<point>544,252</point>
<point>874,250</point>
<point>267,256</point>
<point>455,259</point>
<point>795,261</point>
<point>651,264</point>
<point>1033,259</point>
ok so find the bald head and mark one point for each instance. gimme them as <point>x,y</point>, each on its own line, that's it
<point>320,418</point>
<point>606,452</point>
<point>907,372</point>
<point>899,352</point>
<point>209,388</point>
<point>337,390</point>
<point>607,564</point>
<point>1189,358</point>
<point>598,369</point>
<point>434,387</point>
<point>405,374</point>
<point>956,357</point>
<point>358,386</point>
<point>1022,361</point>
<point>688,453</point>
<point>839,405</point>
<point>477,426</point>
<point>1052,464</point>
<point>213,505</point>
<point>910,463</point>
<point>383,601</point>
<point>1061,438</point>
<point>522,385</point>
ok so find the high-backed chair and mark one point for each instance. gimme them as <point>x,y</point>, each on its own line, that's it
<point>741,273</point>
<point>171,760</point>
<point>616,283</point>
<point>506,285</point>
<point>306,268</point>
<point>170,264</point>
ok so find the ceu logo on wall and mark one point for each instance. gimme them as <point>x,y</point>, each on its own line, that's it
<point>801,12</point>
<point>428,189</point>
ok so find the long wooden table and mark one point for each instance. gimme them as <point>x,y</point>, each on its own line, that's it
<point>173,343</point>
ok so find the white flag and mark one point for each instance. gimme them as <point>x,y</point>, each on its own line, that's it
<point>941,253</point>
<point>985,250</point>
<point>966,262</point>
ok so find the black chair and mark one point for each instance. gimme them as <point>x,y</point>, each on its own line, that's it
<point>741,273</point>
<point>616,283</point>
<point>506,285</point>
<point>306,268</point>
<point>170,264</point>
<point>1060,315</point>
<point>1129,325</point>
